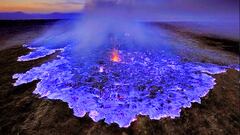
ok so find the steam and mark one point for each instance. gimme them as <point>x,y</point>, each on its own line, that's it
<point>121,20</point>
<point>104,18</point>
<point>116,25</point>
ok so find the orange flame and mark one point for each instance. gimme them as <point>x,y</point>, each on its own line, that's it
<point>115,56</point>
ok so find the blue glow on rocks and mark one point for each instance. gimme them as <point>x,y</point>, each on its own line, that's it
<point>145,82</point>
<point>37,53</point>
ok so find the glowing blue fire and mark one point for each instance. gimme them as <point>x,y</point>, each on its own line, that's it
<point>148,82</point>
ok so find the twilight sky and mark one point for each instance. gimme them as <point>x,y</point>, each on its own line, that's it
<point>43,6</point>
<point>40,6</point>
<point>223,10</point>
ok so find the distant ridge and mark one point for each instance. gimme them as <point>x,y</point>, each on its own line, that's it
<point>29,16</point>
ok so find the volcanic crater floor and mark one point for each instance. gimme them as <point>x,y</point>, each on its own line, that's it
<point>23,112</point>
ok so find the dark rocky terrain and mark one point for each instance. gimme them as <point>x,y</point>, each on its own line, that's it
<point>23,113</point>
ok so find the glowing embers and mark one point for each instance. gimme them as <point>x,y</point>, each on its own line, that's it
<point>115,56</point>
<point>147,83</point>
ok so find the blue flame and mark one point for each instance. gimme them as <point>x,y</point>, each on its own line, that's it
<point>146,82</point>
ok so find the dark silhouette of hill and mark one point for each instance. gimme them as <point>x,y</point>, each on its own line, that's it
<point>28,16</point>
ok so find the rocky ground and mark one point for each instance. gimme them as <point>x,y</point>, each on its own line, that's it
<point>23,113</point>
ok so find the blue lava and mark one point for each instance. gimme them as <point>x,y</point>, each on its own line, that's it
<point>144,82</point>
